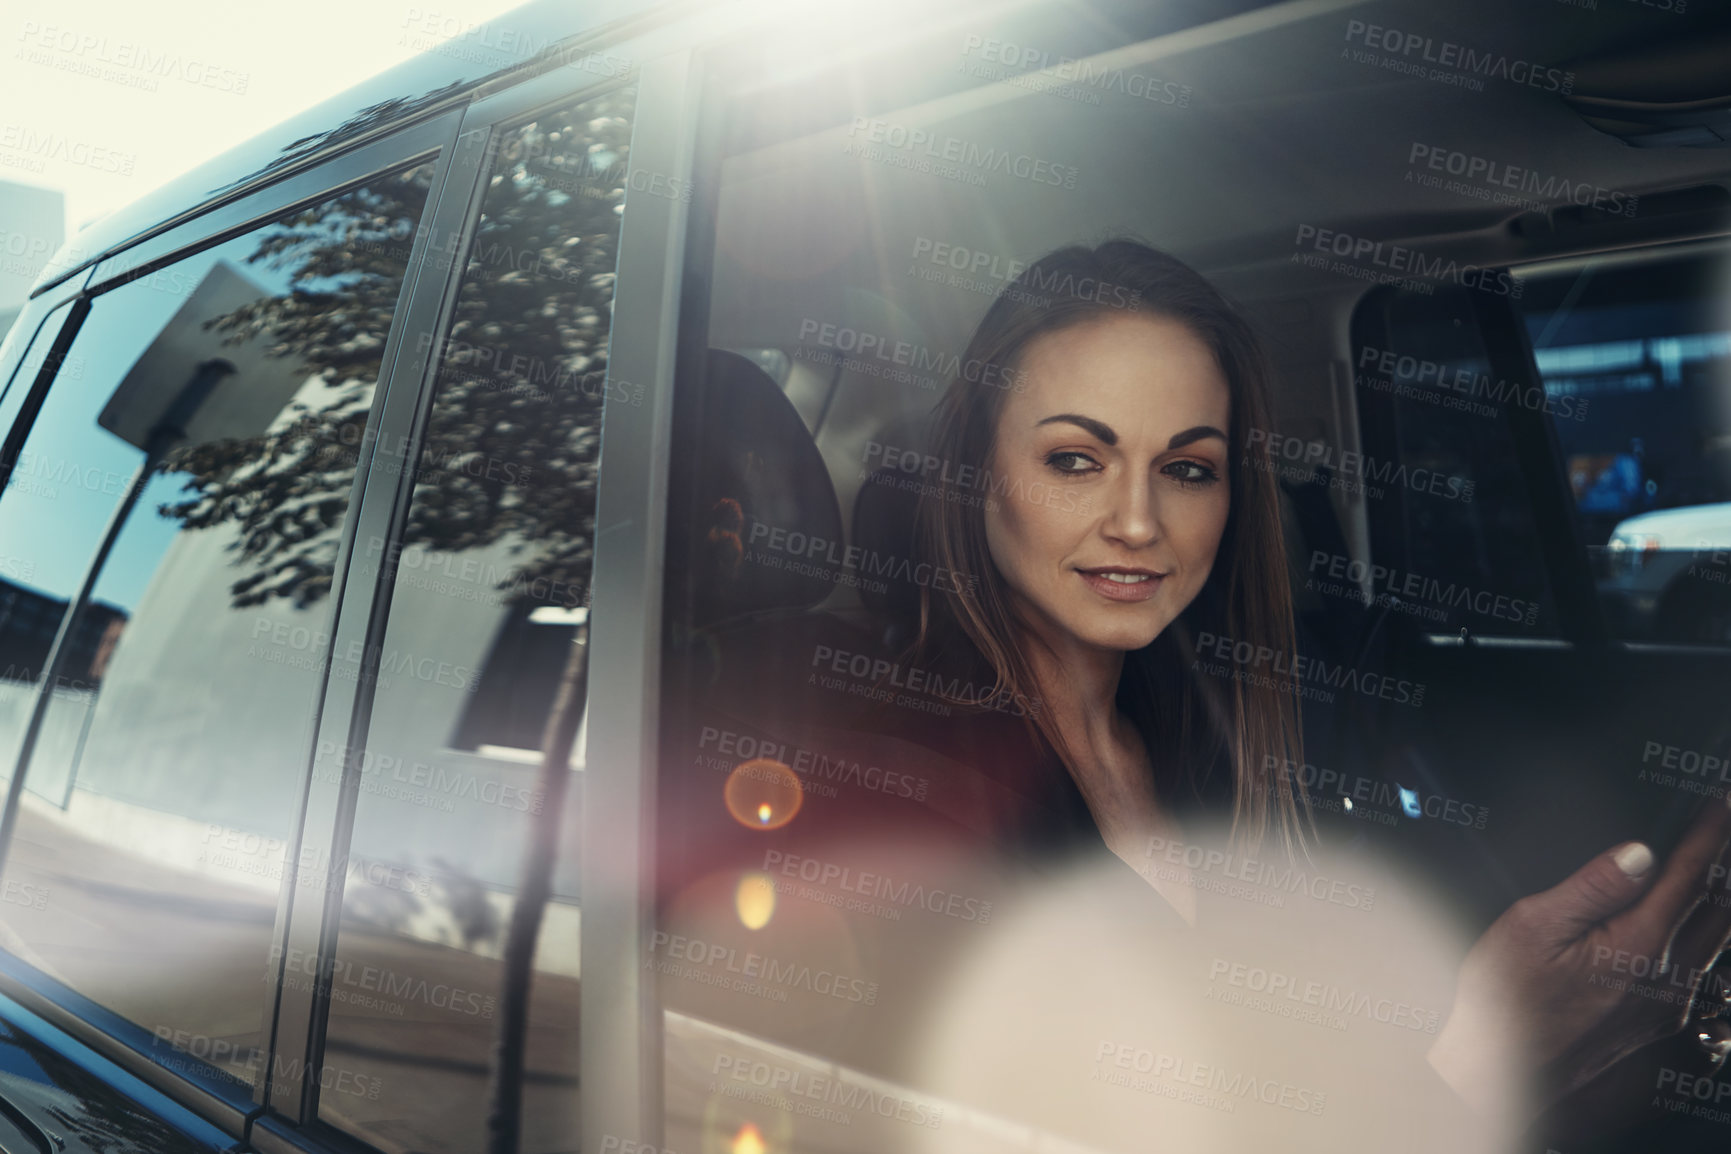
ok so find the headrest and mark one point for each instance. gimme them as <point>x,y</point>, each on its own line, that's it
<point>884,512</point>
<point>765,520</point>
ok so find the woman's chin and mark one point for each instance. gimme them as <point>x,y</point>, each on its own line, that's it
<point>1124,636</point>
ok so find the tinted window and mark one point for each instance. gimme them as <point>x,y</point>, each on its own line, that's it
<point>1636,358</point>
<point>1463,554</point>
<point>187,492</point>
<point>491,585</point>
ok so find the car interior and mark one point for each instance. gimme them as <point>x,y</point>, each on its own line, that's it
<point>1573,227</point>
<point>1486,246</point>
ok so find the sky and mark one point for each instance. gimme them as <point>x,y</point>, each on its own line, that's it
<point>106,140</point>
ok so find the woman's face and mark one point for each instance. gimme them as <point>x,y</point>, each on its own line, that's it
<point>1110,479</point>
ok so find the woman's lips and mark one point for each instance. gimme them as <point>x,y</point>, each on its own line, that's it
<point>1131,585</point>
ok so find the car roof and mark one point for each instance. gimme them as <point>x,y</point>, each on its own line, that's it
<point>497,53</point>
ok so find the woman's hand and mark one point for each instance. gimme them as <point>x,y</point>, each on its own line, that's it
<point>1570,981</point>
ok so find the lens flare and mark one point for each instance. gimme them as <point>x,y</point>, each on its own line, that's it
<point>755,900</point>
<point>762,793</point>
<point>748,1141</point>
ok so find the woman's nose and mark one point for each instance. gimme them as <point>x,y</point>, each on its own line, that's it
<point>1132,514</point>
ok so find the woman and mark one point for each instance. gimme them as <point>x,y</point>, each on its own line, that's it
<point>1107,411</point>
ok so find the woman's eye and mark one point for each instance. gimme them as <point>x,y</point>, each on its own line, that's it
<point>1191,473</point>
<point>1071,462</point>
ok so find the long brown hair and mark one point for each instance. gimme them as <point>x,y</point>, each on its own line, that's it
<point>1187,721</point>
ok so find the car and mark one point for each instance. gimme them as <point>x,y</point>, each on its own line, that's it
<point>1660,560</point>
<point>442,537</point>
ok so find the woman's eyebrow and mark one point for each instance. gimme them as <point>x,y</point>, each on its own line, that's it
<point>1179,440</point>
<point>1104,432</point>
<point>1099,430</point>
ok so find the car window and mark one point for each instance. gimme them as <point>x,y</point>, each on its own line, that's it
<point>489,595</point>
<point>1462,554</point>
<point>1635,354</point>
<point>184,494</point>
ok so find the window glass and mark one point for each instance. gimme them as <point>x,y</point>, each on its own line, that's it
<point>195,475</point>
<point>890,913</point>
<point>492,583</point>
<point>1636,360</point>
<point>1462,554</point>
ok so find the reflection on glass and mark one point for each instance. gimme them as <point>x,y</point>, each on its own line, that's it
<point>1636,365</point>
<point>492,587</point>
<point>186,490</point>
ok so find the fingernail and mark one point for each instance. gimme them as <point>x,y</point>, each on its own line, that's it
<point>1634,860</point>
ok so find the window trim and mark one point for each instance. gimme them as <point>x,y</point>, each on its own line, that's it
<point>16,345</point>
<point>305,188</point>
<point>619,1047</point>
<point>307,913</point>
